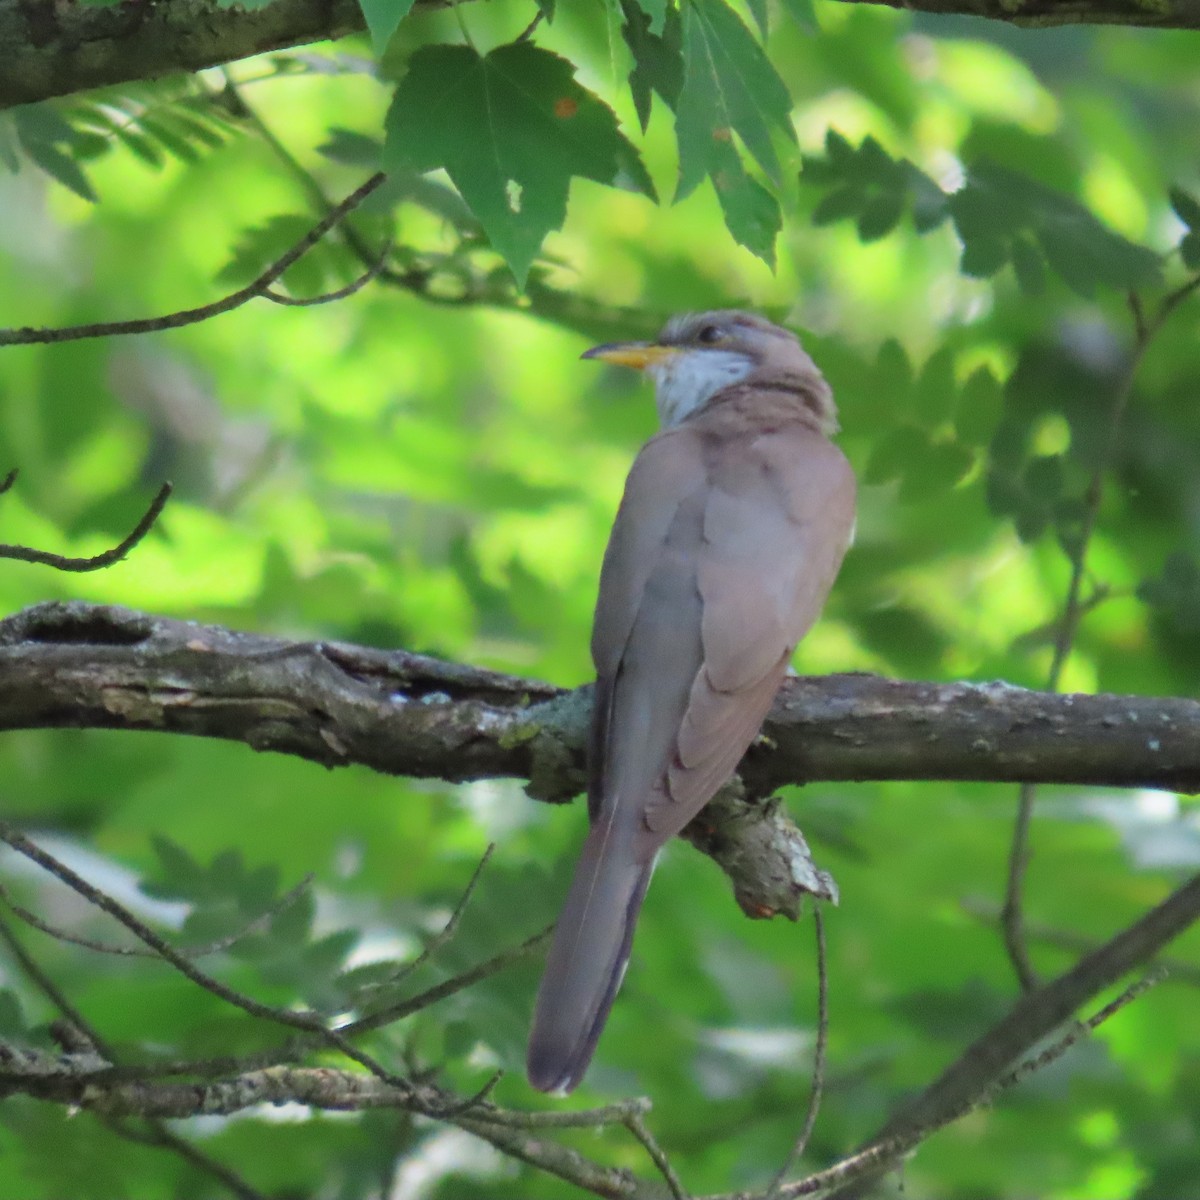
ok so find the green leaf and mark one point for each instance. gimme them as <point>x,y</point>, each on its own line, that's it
<point>58,166</point>
<point>760,13</point>
<point>879,216</point>
<point>383,18</point>
<point>657,12</point>
<point>837,206</point>
<point>8,145</point>
<point>1189,251</point>
<point>729,87</point>
<point>1029,266</point>
<point>998,203</point>
<point>979,407</point>
<point>999,215</point>
<point>895,453</point>
<point>511,129</point>
<point>936,471</point>
<point>868,184</point>
<point>934,391</point>
<point>801,11</point>
<point>894,372</point>
<point>983,256</point>
<point>658,61</point>
<point>182,876</point>
<point>41,132</point>
<point>1187,207</point>
<point>751,213</point>
<point>351,147</point>
<point>170,140</point>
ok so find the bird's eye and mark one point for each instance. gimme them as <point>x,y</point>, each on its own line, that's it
<point>709,335</point>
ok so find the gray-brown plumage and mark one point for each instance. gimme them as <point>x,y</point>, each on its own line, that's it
<point>733,525</point>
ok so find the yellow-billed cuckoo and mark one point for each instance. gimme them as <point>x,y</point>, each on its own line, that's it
<point>733,525</point>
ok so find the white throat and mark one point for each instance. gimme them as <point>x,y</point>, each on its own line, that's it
<point>685,382</point>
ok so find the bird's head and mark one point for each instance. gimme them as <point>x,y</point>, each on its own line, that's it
<point>697,355</point>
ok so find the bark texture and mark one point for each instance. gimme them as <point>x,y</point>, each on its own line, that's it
<point>49,48</point>
<point>102,667</point>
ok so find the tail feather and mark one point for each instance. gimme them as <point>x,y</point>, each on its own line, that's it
<point>586,962</point>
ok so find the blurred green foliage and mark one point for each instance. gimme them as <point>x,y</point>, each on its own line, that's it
<point>958,213</point>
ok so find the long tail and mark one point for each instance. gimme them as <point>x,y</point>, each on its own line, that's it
<point>587,960</point>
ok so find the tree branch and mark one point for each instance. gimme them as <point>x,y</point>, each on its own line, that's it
<point>51,49</point>
<point>54,49</point>
<point>261,286</point>
<point>86,666</point>
<point>1041,14</point>
<point>1034,1016</point>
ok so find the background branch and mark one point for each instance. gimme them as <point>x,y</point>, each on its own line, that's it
<point>261,286</point>
<point>1037,1014</point>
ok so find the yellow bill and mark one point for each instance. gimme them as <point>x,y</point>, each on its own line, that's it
<point>631,354</point>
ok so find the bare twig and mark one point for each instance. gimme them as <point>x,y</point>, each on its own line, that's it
<point>1058,1048</point>
<point>1012,917</point>
<point>635,1122</point>
<point>52,991</point>
<point>868,1159</point>
<point>447,931</point>
<point>448,987</point>
<point>190,316</point>
<point>96,562</point>
<point>87,1034</point>
<point>818,1079</point>
<point>158,1135</point>
<point>311,1022</point>
<point>1145,330</point>
<point>341,293</point>
<point>1177,971</point>
<point>1033,1017</point>
<point>215,947</point>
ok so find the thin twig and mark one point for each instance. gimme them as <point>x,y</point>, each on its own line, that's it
<point>1034,1016</point>
<point>459,1108</point>
<point>190,316</point>
<point>405,1008</point>
<point>96,562</point>
<point>872,1156</point>
<point>84,1029</point>
<point>635,1122</point>
<point>1082,1028</point>
<point>8,481</point>
<point>1145,330</point>
<point>818,1077</point>
<point>52,992</point>
<point>531,28</point>
<point>1177,971</point>
<point>329,297</point>
<point>446,933</point>
<point>158,1135</point>
<point>309,1021</point>
<point>1012,917</point>
<point>215,947</point>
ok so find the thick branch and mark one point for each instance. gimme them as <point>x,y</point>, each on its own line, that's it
<point>52,49</point>
<point>85,666</point>
<point>1158,14</point>
<point>94,666</point>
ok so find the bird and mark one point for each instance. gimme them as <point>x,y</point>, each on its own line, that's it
<point>732,527</point>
